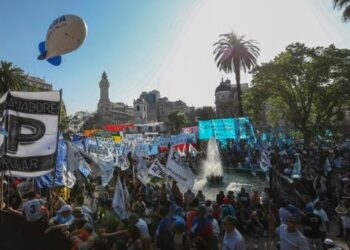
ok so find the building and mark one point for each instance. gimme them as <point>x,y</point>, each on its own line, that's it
<point>226,98</point>
<point>112,113</point>
<point>77,120</point>
<point>151,107</point>
<point>37,83</point>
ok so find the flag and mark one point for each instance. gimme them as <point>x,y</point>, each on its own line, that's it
<point>73,157</point>
<point>179,172</point>
<point>31,121</point>
<point>296,173</point>
<point>118,203</point>
<point>157,169</point>
<point>142,171</point>
<point>327,167</point>
<point>265,162</point>
<point>192,150</point>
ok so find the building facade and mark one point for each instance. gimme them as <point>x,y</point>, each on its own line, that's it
<point>112,113</point>
<point>151,107</point>
<point>38,83</point>
<point>226,98</point>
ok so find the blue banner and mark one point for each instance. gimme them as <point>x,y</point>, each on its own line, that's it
<point>229,128</point>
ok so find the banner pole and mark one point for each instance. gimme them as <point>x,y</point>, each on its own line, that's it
<point>1,189</point>
<point>55,155</point>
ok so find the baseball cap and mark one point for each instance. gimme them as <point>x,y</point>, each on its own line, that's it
<point>292,218</point>
<point>64,209</point>
<point>309,208</point>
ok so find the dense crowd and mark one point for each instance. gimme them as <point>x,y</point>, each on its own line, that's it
<point>160,216</point>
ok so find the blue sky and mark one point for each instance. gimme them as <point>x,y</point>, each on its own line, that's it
<point>141,43</point>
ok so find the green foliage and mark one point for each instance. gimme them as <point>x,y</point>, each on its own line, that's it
<point>205,113</point>
<point>177,121</point>
<point>306,87</point>
<point>232,54</point>
<point>11,77</point>
<point>345,6</point>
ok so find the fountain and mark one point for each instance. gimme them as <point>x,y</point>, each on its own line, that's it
<point>212,167</point>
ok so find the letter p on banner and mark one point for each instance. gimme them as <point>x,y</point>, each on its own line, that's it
<point>31,121</point>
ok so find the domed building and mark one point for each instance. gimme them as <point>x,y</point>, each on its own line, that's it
<point>226,98</point>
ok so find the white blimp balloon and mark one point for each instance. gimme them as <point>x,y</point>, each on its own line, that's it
<point>65,34</point>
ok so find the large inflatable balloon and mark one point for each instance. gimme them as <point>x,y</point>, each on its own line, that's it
<point>65,34</point>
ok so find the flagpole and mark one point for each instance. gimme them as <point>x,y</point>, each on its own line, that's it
<point>1,189</point>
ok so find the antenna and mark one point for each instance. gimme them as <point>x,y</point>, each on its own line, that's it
<point>158,84</point>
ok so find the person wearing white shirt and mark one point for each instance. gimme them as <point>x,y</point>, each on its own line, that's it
<point>233,240</point>
<point>284,213</point>
<point>290,237</point>
<point>32,208</point>
<point>325,221</point>
<point>140,224</point>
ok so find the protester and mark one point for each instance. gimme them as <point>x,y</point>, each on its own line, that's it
<point>290,236</point>
<point>233,239</point>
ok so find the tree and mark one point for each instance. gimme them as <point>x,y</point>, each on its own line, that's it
<point>307,87</point>
<point>232,54</point>
<point>206,113</point>
<point>11,77</point>
<point>345,6</point>
<point>177,121</point>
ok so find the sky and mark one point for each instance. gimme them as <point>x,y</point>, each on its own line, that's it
<point>158,44</point>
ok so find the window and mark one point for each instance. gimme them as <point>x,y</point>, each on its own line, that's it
<point>144,108</point>
<point>138,108</point>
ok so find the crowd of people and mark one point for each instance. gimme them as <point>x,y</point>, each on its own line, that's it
<point>297,215</point>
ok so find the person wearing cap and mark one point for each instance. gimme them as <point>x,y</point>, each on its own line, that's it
<point>290,237</point>
<point>64,216</point>
<point>181,240</point>
<point>233,240</point>
<point>226,209</point>
<point>312,224</point>
<point>78,213</point>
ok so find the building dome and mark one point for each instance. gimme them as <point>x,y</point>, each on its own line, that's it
<point>140,100</point>
<point>224,86</point>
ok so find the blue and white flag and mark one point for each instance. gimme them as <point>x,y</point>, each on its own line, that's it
<point>296,173</point>
<point>142,171</point>
<point>265,161</point>
<point>327,167</point>
<point>192,150</point>
<point>119,201</point>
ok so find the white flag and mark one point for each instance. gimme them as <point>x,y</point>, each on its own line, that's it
<point>192,150</point>
<point>68,177</point>
<point>157,169</point>
<point>119,200</point>
<point>73,157</point>
<point>181,173</point>
<point>142,171</point>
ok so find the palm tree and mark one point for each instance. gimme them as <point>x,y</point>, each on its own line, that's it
<point>11,77</point>
<point>232,54</point>
<point>345,5</point>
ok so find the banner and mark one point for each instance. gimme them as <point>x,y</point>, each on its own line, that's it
<point>31,120</point>
<point>190,130</point>
<point>175,140</point>
<point>157,169</point>
<point>182,174</point>
<point>118,203</point>
<point>229,128</point>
